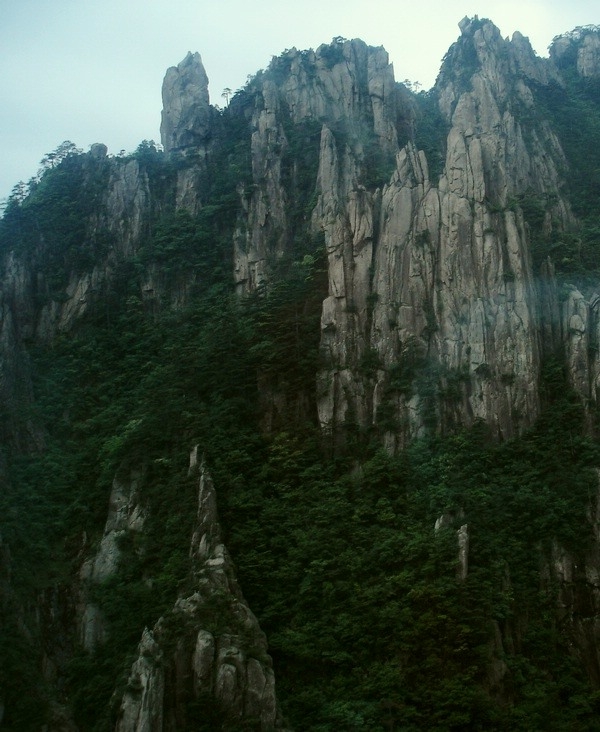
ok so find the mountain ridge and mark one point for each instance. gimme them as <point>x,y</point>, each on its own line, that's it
<point>374,311</point>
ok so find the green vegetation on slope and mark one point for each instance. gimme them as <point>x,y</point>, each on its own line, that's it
<point>573,111</point>
<point>369,625</point>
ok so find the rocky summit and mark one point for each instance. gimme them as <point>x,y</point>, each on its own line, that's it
<point>300,407</point>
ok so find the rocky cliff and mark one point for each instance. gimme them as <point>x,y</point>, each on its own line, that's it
<point>405,266</point>
<point>420,267</point>
<point>209,648</point>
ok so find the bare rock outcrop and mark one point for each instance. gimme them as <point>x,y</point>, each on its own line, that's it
<point>427,267</point>
<point>580,337</point>
<point>422,272</point>
<point>579,48</point>
<point>127,204</point>
<point>126,514</point>
<point>588,56</point>
<point>186,109</point>
<point>209,649</point>
<point>432,319</point>
<point>346,86</point>
<point>188,126</point>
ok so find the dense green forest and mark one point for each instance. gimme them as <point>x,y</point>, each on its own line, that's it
<point>370,625</point>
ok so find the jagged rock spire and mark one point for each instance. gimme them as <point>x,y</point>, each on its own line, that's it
<point>186,108</point>
<point>210,647</point>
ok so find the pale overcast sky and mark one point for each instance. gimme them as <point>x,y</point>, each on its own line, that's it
<point>91,70</point>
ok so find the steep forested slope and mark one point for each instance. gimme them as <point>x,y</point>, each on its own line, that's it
<point>358,323</point>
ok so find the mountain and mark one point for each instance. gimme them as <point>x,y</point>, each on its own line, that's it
<point>300,408</point>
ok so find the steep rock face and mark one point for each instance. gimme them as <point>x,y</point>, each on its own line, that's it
<point>422,269</point>
<point>433,317</point>
<point>462,285</point>
<point>125,515</point>
<point>46,291</point>
<point>186,108</point>
<point>116,194</point>
<point>188,125</point>
<point>116,227</point>
<point>209,648</point>
<point>523,60</point>
<point>581,334</point>
<point>347,86</point>
<point>345,212</point>
<point>119,216</point>
<point>127,204</point>
<point>32,311</point>
<point>588,56</point>
<point>577,327</point>
<point>581,49</point>
<point>421,272</point>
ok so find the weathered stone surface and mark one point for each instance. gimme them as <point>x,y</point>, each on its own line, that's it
<point>450,275</point>
<point>576,338</point>
<point>436,272</point>
<point>429,278</point>
<point>30,310</point>
<point>98,151</point>
<point>579,336</point>
<point>462,569</point>
<point>588,56</point>
<point>127,205</point>
<point>125,514</point>
<point>186,109</point>
<point>581,48</point>
<point>447,521</point>
<point>262,238</point>
<point>529,64</point>
<point>220,653</point>
<point>343,84</point>
<point>142,708</point>
<point>432,270</point>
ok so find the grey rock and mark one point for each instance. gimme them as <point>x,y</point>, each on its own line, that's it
<point>463,552</point>
<point>446,521</point>
<point>581,44</point>
<point>588,56</point>
<point>440,269</point>
<point>98,151</point>
<point>218,654</point>
<point>186,108</point>
<point>125,514</point>
<point>128,199</point>
<point>142,707</point>
<point>428,274</point>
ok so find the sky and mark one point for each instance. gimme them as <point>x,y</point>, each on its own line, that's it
<point>91,70</point>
